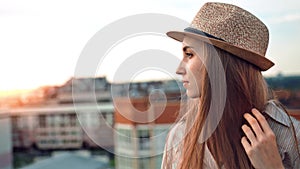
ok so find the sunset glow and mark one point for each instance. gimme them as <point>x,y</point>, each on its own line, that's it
<point>13,93</point>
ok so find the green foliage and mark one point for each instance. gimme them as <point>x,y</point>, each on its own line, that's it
<point>112,163</point>
<point>21,160</point>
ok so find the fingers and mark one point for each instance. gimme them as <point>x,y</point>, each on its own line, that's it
<point>249,134</point>
<point>245,144</point>
<point>259,142</point>
<point>260,128</point>
<point>254,124</point>
<point>261,119</point>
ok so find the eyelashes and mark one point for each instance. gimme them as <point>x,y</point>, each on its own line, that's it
<point>188,55</point>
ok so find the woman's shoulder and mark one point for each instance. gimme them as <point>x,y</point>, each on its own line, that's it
<point>276,112</point>
<point>282,124</point>
<point>176,133</point>
<point>287,131</point>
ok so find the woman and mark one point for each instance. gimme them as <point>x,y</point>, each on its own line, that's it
<point>223,56</point>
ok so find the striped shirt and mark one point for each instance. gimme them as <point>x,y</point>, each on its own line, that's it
<point>281,124</point>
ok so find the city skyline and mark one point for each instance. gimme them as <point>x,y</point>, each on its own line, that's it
<point>41,42</point>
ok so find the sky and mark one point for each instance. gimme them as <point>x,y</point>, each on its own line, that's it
<point>41,41</point>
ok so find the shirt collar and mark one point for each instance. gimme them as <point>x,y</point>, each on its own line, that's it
<point>276,113</point>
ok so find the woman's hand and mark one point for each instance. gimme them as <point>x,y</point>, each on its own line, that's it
<point>260,142</point>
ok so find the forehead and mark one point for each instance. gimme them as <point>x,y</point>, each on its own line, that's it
<point>192,42</point>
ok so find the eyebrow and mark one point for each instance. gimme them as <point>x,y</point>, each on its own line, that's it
<point>185,48</point>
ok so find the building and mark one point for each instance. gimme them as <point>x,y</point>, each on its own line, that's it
<point>139,139</point>
<point>63,126</point>
<point>75,115</point>
<point>5,141</point>
<point>130,119</point>
<point>142,121</point>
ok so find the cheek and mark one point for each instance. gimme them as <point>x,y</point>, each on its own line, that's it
<point>196,73</point>
<point>196,80</point>
<point>197,77</point>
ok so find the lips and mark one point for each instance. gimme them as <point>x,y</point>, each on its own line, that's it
<point>185,83</point>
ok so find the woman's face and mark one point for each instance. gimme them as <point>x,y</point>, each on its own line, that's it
<point>190,67</point>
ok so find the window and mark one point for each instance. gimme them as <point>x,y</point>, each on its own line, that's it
<point>57,119</point>
<point>52,133</point>
<point>144,139</point>
<point>62,122</point>
<point>144,163</point>
<point>43,133</point>
<point>64,132</point>
<point>74,141</point>
<point>50,120</point>
<point>42,121</point>
<point>124,138</point>
<point>73,119</point>
<point>74,133</point>
<point>43,142</point>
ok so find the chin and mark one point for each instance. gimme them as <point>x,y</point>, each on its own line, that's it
<point>193,95</point>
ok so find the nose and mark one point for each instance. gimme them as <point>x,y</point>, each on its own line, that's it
<point>181,68</point>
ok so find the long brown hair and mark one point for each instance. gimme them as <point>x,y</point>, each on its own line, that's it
<point>245,89</point>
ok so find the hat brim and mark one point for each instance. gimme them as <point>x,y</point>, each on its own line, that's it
<point>258,60</point>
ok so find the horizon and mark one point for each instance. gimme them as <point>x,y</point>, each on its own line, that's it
<point>18,92</point>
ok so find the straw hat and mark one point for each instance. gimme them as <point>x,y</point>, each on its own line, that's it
<point>232,29</point>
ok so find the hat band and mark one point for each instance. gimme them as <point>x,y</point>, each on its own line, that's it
<point>196,31</point>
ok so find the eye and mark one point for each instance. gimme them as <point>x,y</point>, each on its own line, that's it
<point>188,55</point>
